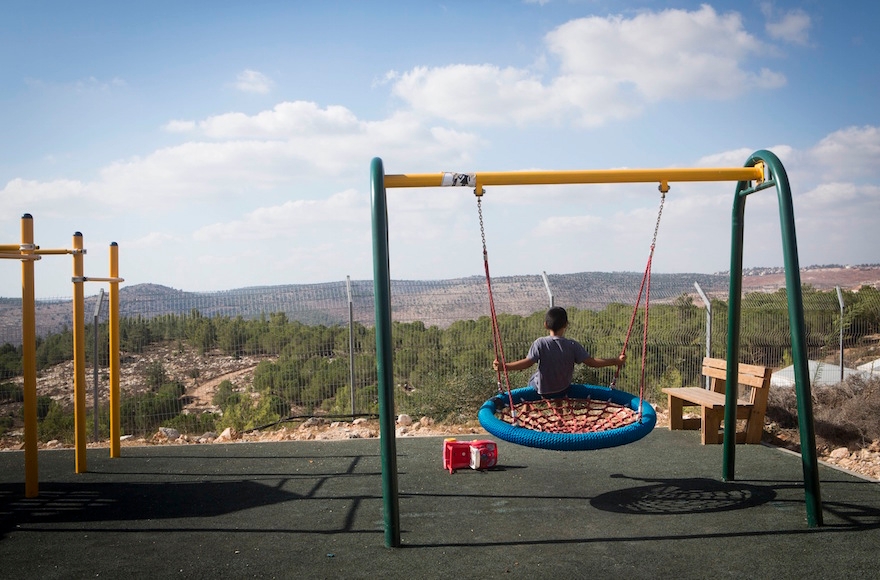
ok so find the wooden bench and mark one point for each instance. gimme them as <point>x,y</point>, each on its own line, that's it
<point>752,391</point>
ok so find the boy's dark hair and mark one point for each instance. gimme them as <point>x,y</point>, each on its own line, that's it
<point>556,319</point>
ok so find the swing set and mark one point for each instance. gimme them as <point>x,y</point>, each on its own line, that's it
<point>588,416</point>
<point>594,417</point>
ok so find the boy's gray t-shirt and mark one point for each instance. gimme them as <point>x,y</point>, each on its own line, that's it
<point>556,357</point>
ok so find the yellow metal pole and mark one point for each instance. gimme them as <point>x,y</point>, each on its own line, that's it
<point>29,359</point>
<point>79,355</point>
<point>52,252</point>
<point>114,352</point>
<point>572,177</point>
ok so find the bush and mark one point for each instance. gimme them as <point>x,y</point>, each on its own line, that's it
<point>44,404</point>
<point>6,423</point>
<point>366,401</point>
<point>144,413</point>
<point>847,414</point>
<point>844,415</point>
<point>57,424</point>
<point>456,399</point>
<point>11,392</point>
<point>224,392</point>
<point>191,423</point>
<point>243,412</point>
<point>155,375</point>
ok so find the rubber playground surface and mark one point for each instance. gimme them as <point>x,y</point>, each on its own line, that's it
<point>656,508</point>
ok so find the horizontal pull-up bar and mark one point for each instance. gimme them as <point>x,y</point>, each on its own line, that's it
<point>755,173</point>
<point>112,280</point>
<point>12,256</point>
<point>59,251</point>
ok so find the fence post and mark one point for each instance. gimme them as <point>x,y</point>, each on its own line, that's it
<point>708,304</point>
<point>840,301</point>
<point>547,286</point>
<point>98,302</point>
<point>350,342</point>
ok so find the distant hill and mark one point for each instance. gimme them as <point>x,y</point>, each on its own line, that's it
<point>435,302</point>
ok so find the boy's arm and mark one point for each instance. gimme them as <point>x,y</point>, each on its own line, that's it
<point>603,362</point>
<point>518,365</point>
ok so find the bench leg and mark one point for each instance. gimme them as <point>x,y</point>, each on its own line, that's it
<point>711,426</point>
<point>754,427</point>
<point>676,412</point>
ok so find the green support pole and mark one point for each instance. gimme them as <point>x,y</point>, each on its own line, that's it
<point>733,322</point>
<point>777,176</point>
<point>384,363</point>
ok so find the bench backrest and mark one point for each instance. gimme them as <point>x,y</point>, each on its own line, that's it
<point>755,379</point>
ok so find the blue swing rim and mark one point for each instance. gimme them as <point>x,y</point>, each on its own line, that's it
<point>569,441</point>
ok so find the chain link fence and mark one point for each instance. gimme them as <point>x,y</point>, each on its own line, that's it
<point>255,357</point>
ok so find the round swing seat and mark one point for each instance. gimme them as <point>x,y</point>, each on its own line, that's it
<point>555,436</point>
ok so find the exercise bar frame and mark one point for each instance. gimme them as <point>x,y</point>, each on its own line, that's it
<point>761,171</point>
<point>28,252</point>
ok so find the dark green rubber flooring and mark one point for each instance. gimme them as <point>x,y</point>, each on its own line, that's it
<point>654,509</point>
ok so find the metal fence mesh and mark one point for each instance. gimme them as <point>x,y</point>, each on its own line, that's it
<point>252,357</point>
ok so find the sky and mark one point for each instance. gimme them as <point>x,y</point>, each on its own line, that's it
<point>228,144</point>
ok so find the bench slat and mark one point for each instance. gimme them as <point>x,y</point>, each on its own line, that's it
<point>748,380</point>
<point>702,397</point>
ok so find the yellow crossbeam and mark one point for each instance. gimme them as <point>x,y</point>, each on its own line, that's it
<point>572,177</point>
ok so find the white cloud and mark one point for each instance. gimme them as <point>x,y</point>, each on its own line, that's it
<point>792,26</point>
<point>285,120</point>
<point>291,219</point>
<point>152,240</point>
<point>852,152</point>
<point>251,81</point>
<point>840,196</point>
<point>175,126</point>
<point>483,94</point>
<point>20,195</point>
<point>94,84</point>
<point>671,54</point>
<point>89,84</point>
<point>290,144</point>
<point>609,68</point>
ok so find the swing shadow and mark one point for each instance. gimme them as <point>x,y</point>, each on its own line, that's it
<point>697,495</point>
<point>685,497</point>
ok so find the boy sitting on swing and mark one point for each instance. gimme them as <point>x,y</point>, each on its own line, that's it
<point>556,357</point>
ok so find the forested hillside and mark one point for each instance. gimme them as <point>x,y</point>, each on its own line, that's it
<point>443,372</point>
<point>433,301</point>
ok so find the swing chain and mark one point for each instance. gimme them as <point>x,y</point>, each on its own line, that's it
<point>664,187</point>
<point>482,227</point>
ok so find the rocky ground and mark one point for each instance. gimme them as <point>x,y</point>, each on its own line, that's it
<point>863,460</point>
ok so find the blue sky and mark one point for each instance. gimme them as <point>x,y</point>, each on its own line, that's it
<point>226,144</point>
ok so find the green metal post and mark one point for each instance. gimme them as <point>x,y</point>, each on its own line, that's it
<point>733,323</point>
<point>384,363</point>
<point>798,340</point>
<point>778,177</point>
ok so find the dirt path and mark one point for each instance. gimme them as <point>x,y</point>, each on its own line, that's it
<point>202,394</point>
